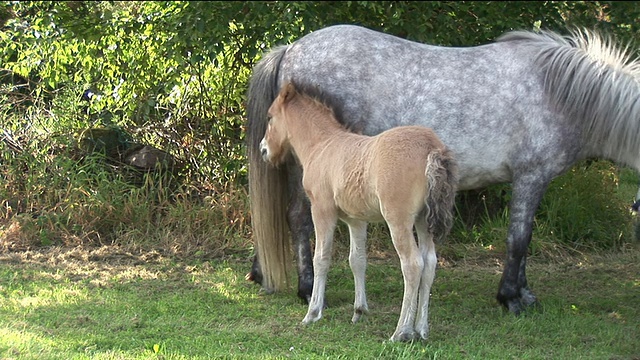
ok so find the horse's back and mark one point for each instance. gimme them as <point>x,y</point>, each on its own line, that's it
<point>490,96</point>
<point>381,81</point>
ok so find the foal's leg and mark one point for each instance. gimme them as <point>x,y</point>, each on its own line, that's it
<point>428,252</point>
<point>324,220</point>
<point>412,264</point>
<point>358,263</point>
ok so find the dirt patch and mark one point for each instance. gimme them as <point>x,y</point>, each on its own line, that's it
<point>109,260</point>
<point>112,255</point>
<point>97,266</point>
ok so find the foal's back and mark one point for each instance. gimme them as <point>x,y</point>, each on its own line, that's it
<point>373,177</point>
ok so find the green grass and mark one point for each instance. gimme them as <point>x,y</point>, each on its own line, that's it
<point>95,267</point>
<point>105,303</point>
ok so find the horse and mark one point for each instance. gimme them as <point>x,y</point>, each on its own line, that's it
<point>404,176</point>
<point>521,110</point>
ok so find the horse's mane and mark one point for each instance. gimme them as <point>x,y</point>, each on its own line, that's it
<point>324,99</point>
<point>590,79</point>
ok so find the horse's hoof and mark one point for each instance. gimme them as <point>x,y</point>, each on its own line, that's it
<point>514,306</point>
<point>528,299</point>
<point>305,294</point>
<point>266,291</point>
<point>525,302</point>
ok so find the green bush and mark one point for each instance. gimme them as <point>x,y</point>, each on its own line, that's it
<point>173,75</point>
<point>588,207</point>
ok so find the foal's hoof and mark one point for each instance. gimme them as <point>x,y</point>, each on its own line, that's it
<point>310,319</point>
<point>357,314</point>
<point>404,336</point>
<point>422,334</point>
<point>312,316</point>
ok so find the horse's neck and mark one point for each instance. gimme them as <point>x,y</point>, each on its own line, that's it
<point>313,129</point>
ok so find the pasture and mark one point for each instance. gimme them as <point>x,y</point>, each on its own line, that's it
<point>107,303</point>
<point>101,259</point>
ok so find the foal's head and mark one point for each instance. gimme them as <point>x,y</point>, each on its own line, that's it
<point>275,146</point>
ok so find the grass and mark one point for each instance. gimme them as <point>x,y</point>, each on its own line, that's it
<point>99,262</point>
<point>106,303</point>
<point>94,265</point>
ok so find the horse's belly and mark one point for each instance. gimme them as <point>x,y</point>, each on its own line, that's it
<point>474,177</point>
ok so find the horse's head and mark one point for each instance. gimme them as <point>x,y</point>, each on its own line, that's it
<point>275,146</point>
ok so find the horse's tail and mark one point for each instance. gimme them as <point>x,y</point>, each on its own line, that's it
<point>267,185</point>
<point>442,182</point>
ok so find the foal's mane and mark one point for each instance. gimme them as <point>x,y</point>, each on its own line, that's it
<point>591,80</point>
<point>323,99</point>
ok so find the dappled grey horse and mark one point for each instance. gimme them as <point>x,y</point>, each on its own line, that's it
<point>522,110</point>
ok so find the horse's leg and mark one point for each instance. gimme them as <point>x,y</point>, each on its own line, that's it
<point>255,274</point>
<point>358,263</point>
<point>411,263</point>
<point>301,226</point>
<point>324,219</point>
<point>428,252</point>
<point>513,291</point>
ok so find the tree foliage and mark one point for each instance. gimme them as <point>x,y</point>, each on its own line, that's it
<point>174,73</point>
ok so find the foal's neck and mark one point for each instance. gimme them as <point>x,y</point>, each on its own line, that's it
<point>312,127</point>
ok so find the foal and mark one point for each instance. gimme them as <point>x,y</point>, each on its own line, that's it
<point>404,176</point>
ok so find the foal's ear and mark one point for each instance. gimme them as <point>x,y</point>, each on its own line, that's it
<point>288,92</point>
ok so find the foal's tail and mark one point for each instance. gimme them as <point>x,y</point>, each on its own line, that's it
<point>442,175</point>
<point>267,185</point>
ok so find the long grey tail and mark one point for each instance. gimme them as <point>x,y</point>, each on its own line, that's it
<point>268,193</point>
<point>442,175</point>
